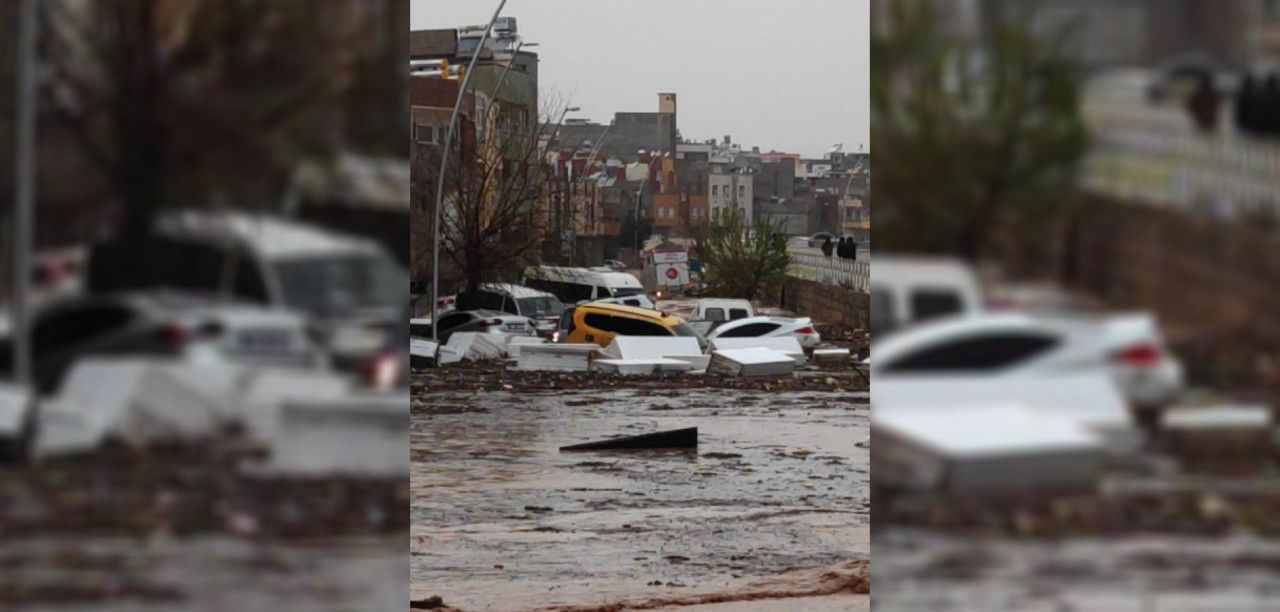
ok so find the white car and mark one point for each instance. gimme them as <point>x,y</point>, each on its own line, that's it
<point>757,327</point>
<point>1127,348</point>
<point>480,321</point>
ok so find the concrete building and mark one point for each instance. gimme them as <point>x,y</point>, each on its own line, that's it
<point>630,133</point>
<point>731,191</point>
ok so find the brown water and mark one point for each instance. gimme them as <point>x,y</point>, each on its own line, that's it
<point>201,574</point>
<point>503,521</point>
<point>938,572</point>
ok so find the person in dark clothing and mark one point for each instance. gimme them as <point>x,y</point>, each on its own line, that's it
<point>853,250</point>
<point>827,247</point>
<point>845,250</point>
<point>1246,103</point>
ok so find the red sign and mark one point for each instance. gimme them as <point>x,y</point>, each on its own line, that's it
<point>672,273</point>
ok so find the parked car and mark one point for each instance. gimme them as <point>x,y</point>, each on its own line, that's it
<point>351,289</point>
<point>906,291</point>
<point>165,324</point>
<point>816,240</point>
<point>1126,348</point>
<point>539,306</point>
<point>481,321</point>
<point>719,309</point>
<point>599,323</point>
<point>757,327</point>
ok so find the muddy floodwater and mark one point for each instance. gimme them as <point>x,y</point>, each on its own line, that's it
<point>201,574</point>
<point>501,520</point>
<point>932,571</point>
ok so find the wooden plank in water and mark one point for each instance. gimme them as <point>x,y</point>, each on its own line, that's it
<point>675,438</point>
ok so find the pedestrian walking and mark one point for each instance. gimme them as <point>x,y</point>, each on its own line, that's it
<point>827,247</point>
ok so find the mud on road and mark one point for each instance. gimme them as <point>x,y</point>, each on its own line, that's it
<point>503,521</point>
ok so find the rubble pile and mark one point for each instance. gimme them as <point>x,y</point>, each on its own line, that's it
<point>496,376</point>
<point>190,489</point>
<point>1187,512</point>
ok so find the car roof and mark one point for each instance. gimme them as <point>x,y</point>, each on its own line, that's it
<point>481,313</point>
<point>727,325</point>
<point>644,313</point>
<point>267,235</point>
<point>584,276</point>
<point>514,290</point>
<point>723,302</point>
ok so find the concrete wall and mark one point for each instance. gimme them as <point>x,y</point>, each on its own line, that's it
<point>826,303</point>
<point>1211,284</point>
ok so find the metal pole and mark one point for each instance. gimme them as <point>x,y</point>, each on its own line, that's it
<point>24,199</point>
<point>444,163</point>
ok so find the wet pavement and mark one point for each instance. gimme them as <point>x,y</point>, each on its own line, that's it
<point>964,572</point>
<point>503,521</point>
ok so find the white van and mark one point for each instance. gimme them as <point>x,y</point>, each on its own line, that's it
<point>908,290</point>
<point>720,310</point>
<point>573,285</point>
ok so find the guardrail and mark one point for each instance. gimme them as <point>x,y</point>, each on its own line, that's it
<point>852,273</point>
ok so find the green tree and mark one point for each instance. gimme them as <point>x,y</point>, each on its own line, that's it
<point>740,259</point>
<point>971,136</point>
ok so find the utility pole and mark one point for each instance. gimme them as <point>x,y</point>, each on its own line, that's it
<point>440,177</point>
<point>24,197</point>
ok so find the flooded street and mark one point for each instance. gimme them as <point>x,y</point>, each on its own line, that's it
<point>504,521</point>
<point>931,571</point>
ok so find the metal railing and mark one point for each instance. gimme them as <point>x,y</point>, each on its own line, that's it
<point>852,273</point>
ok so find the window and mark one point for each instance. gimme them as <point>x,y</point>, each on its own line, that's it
<point>603,292</point>
<point>453,320</point>
<point>249,285</point>
<point>738,313</point>
<point>624,326</point>
<point>929,304</point>
<point>714,314</point>
<point>425,134</point>
<point>882,319</point>
<point>751,330</point>
<point>986,352</point>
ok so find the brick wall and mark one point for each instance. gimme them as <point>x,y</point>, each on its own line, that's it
<point>827,303</point>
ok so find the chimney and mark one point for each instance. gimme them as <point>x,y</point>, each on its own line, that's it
<point>667,103</point>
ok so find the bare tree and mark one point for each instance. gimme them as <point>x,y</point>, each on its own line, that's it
<point>492,223</point>
<point>176,101</point>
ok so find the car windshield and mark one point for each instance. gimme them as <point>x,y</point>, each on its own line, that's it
<point>625,291</point>
<point>341,283</point>
<point>540,307</point>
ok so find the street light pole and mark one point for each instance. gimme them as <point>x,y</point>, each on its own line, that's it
<point>24,198</point>
<point>444,163</point>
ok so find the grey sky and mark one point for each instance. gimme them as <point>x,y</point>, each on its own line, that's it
<point>791,75</point>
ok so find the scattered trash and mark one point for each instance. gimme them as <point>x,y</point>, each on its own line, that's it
<point>558,357</point>
<point>15,403</point>
<point>1090,399</point>
<point>997,448</point>
<point>1219,438</point>
<point>751,362</point>
<point>675,438</point>
<point>476,346</point>
<point>831,356</point>
<point>641,367</point>
<point>782,344</point>
<point>514,343</point>
<point>354,435</point>
<point>422,351</point>
<point>135,401</point>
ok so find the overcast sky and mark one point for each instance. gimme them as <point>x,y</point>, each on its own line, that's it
<point>784,74</point>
